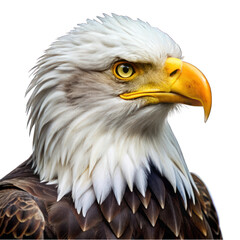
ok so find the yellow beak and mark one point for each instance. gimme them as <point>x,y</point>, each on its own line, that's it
<point>182,83</point>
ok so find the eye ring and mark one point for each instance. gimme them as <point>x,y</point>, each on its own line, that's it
<point>124,70</point>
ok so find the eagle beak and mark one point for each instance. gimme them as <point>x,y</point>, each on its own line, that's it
<point>193,86</point>
<point>182,83</point>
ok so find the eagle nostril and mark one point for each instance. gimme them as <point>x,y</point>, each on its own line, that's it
<point>173,73</point>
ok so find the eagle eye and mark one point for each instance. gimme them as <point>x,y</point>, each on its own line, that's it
<point>124,70</point>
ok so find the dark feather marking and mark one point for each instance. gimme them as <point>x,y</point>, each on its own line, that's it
<point>23,216</point>
<point>145,228</point>
<point>1,223</point>
<point>11,211</point>
<point>156,232</point>
<point>63,217</point>
<point>108,232</point>
<point>121,221</point>
<point>110,207</point>
<point>91,233</point>
<point>160,230</point>
<point>214,225</point>
<point>12,224</point>
<point>140,220</point>
<point>186,230</point>
<point>132,200</point>
<point>4,225</point>
<point>200,224</point>
<point>189,207</point>
<point>170,215</point>
<point>128,233</point>
<point>23,229</point>
<point>197,208</point>
<point>145,200</point>
<point>157,187</point>
<point>149,232</point>
<point>179,212</point>
<point>208,228</point>
<point>93,217</point>
<point>104,231</point>
<point>38,234</point>
<point>152,212</point>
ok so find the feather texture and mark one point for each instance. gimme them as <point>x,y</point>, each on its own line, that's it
<point>81,126</point>
<point>29,208</point>
<point>103,167</point>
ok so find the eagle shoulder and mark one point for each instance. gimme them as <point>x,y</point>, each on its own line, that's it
<point>208,207</point>
<point>23,204</point>
<point>20,215</point>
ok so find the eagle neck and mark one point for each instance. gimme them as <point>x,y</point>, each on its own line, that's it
<point>113,161</point>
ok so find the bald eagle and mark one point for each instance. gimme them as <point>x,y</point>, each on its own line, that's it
<point>105,162</point>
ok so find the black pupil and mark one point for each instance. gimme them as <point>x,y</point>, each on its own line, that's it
<point>125,69</point>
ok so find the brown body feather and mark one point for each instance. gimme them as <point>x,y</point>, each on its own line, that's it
<point>28,209</point>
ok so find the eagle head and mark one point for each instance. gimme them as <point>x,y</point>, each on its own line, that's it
<point>98,106</point>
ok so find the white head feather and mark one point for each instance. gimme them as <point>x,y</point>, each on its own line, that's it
<point>86,138</point>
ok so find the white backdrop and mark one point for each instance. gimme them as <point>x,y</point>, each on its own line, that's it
<point>209,35</point>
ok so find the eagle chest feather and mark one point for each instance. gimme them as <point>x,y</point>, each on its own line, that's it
<point>160,214</point>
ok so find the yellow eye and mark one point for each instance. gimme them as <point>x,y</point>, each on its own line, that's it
<point>124,70</point>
